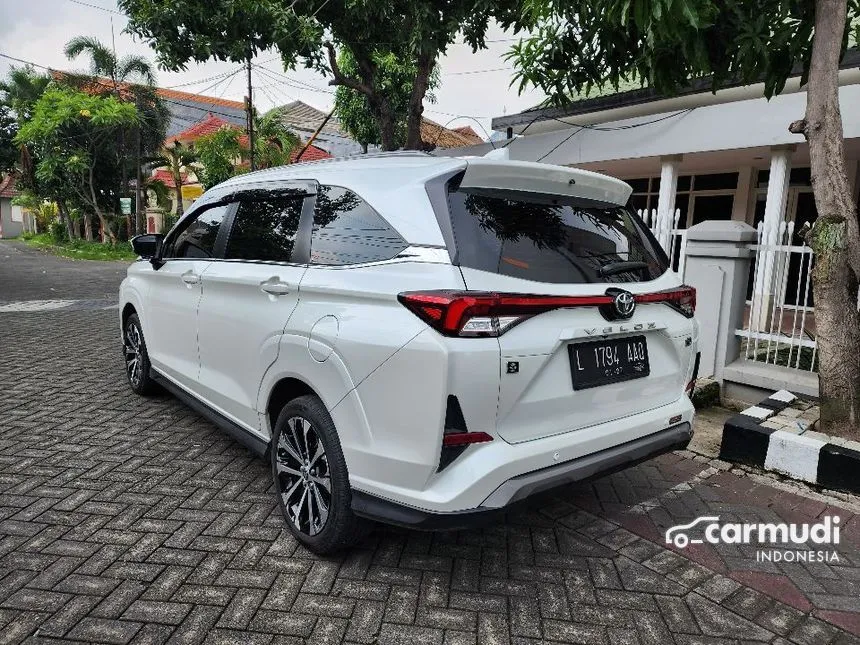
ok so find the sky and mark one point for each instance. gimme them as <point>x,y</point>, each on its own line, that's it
<point>473,84</point>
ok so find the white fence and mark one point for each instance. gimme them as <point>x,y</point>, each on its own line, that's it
<point>779,327</point>
<point>673,239</point>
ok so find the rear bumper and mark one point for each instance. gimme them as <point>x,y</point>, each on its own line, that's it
<point>519,488</point>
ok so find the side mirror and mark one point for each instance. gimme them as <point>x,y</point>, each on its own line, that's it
<point>147,246</point>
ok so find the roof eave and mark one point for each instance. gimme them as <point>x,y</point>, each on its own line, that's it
<point>631,98</point>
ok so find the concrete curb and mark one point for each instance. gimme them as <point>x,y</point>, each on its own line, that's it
<point>755,439</point>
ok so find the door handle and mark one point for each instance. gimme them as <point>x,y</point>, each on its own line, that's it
<point>275,288</point>
<point>189,278</point>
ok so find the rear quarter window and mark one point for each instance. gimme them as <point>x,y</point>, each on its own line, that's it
<point>348,231</point>
<point>551,239</point>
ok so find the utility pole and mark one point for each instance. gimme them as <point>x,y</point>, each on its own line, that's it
<point>249,103</point>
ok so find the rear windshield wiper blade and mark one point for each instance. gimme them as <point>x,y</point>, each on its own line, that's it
<point>614,268</point>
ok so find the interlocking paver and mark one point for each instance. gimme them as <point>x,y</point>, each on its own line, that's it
<point>134,520</point>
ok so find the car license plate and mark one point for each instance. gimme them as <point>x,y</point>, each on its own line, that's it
<point>602,362</point>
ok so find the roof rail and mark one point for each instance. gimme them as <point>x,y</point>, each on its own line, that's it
<point>352,157</point>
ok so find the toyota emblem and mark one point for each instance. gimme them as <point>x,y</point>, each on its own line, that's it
<point>624,304</point>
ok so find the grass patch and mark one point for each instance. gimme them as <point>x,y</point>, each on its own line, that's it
<point>783,359</point>
<point>81,249</point>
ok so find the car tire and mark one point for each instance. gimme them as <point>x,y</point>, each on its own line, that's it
<point>136,358</point>
<point>311,478</point>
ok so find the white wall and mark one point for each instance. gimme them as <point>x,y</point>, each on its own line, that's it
<point>743,124</point>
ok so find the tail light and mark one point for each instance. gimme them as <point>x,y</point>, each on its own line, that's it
<point>456,436</point>
<point>681,299</point>
<point>464,439</point>
<point>479,314</point>
<point>691,385</point>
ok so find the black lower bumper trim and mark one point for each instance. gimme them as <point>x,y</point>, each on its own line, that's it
<point>588,467</point>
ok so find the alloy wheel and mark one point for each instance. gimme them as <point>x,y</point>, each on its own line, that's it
<point>132,351</point>
<point>304,480</point>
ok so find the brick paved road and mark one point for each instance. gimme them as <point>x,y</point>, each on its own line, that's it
<point>131,520</point>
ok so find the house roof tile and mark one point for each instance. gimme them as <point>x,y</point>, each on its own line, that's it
<point>7,186</point>
<point>311,154</point>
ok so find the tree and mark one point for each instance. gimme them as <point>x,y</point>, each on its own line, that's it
<point>73,135</point>
<point>273,141</point>
<point>22,88</point>
<point>18,93</point>
<point>129,78</point>
<point>580,44</point>
<point>8,129</point>
<point>312,31</point>
<point>176,158</point>
<point>219,155</point>
<point>353,108</point>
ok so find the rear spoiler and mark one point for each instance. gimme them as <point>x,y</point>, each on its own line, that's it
<point>545,179</point>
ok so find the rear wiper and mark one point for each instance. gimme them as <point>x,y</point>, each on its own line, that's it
<point>614,268</point>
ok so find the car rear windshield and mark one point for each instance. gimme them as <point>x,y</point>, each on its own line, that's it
<point>551,239</point>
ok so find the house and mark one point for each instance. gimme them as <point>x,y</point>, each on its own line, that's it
<point>304,120</point>
<point>726,155</point>
<point>188,110</point>
<point>11,216</point>
<point>702,156</point>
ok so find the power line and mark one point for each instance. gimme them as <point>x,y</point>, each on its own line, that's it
<point>293,82</point>
<point>632,126</point>
<point>203,80</point>
<point>95,6</point>
<point>479,71</point>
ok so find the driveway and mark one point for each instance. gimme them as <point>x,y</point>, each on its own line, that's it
<point>125,519</point>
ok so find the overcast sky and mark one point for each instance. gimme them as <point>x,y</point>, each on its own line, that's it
<point>472,84</point>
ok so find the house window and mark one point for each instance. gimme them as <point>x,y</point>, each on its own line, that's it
<point>712,192</point>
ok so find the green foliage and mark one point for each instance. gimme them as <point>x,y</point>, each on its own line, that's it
<point>57,231</point>
<point>73,136</point>
<point>104,62</point>
<point>22,88</point>
<point>82,250</point>
<point>8,149</point>
<point>130,79</point>
<point>218,154</point>
<point>577,45</point>
<point>273,141</point>
<point>310,32</point>
<point>18,93</point>
<point>396,77</point>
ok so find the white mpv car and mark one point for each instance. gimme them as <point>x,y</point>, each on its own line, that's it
<point>414,339</point>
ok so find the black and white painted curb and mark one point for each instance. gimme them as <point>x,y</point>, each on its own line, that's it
<point>761,436</point>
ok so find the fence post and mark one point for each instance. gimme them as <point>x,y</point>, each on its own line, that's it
<point>717,265</point>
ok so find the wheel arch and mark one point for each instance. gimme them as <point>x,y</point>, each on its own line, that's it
<point>285,390</point>
<point>127,311</point>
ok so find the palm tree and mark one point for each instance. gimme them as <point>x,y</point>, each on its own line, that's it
<point>22,88</point>
<point>274,141</point>
<point>129,78</point>
<point>175,158</point>
<point>104,63</point>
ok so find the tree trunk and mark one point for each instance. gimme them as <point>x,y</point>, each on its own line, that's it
<point>387,125</point>
<point>177,180</point>
<point>65,219</point>
<point>138,187</point>
<point>835,237</point>
<point>416,101</point>
<point>88,227</point>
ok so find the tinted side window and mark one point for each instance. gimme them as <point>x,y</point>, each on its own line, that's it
<point>197,240</point>
<point>348,231</point>
<point>548,239</point>
<point>265,229</point>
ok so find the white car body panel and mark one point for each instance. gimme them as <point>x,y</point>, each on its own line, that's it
<point>240,331</point>
<point>170,312</point>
